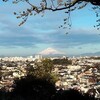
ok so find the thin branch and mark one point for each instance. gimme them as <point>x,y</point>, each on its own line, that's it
<point>53,4</point>
<point>66,7</point>
<point>34,7</point>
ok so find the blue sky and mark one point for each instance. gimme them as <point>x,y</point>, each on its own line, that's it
<point>39,33</point>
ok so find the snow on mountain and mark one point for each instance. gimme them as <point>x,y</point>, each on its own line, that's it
<point>50,51</point>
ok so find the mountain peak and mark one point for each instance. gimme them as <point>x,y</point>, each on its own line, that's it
<point>50,51</point>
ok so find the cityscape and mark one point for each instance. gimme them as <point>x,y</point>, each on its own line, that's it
<point>50,50</point>
<point>80,73</point>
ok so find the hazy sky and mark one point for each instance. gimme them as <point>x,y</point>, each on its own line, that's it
<point>39,33</point>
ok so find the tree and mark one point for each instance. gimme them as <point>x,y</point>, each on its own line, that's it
<point>32,88</point>
<point>29,88</point>
<point>63,61</point>
<point>56,5</point>
<point>43,70</point>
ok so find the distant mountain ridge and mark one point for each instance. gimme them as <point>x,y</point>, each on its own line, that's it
<point>91,54</point>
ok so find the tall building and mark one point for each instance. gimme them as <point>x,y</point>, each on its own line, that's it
<point>38,56</point>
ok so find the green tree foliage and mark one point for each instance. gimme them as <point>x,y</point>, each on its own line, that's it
<point>43,70</point>
<point>96,58</point>
<point>62,61</point>
<point>56,5</point>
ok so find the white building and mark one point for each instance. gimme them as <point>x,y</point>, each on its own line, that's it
<point>38,56</point>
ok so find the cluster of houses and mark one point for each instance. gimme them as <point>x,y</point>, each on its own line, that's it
<point>83,74</point>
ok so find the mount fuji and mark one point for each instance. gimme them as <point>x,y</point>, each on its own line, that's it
<point>51,51</point>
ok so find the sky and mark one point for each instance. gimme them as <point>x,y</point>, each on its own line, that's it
<point>39,33</point>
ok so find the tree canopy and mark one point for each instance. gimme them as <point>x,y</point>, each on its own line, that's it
<point>62,61</point>
<point>40,6</point>
<point>43,70</point>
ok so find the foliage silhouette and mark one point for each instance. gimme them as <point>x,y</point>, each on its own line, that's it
<point>62,61</point>
<point>71,95</point>
<point>31,88</point>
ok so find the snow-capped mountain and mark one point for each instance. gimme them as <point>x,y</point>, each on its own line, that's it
<point>50,51</point>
